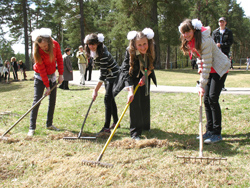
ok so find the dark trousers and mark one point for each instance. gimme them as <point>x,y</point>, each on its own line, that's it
<point>38,93</point>
<point>24,74</point>
<point>6,74</point>
<point>211,101</point>
<point>89,68</point>
<point>140,111</point>
<point>110,105</point>
<point>64,85</point>
<point>15,75</point>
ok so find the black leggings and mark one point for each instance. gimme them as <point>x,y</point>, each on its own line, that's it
<point>110,105</point>
<point>211,101</point>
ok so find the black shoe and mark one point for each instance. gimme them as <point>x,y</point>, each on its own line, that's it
<point>105,130</point>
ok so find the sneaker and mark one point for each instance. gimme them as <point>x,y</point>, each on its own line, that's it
<point>52,127</point>
<point>105,130</point>
<point>31,132</point>
<point>136,137</point>
<point>205,136</point>
<point>213,139</point>
<point>224,89</point>
<point>113,126</point>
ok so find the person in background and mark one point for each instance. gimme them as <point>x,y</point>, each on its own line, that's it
<point>138,67</point>
<point>108,72</point>
<point>68,71</point>
<point>247,62</point>
<point>213,66</point>
<point>1,71</point>
<point>193,63</point>
<point>14,66</point>
<point>22,67</point>
<point>223,37</point>
<point>6,70</point>
<point>232,62</point>
<point>89,68</point>
<point>47,53</point>
<point>82,63</point>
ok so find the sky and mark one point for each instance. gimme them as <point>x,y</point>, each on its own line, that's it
<point>245,4</point>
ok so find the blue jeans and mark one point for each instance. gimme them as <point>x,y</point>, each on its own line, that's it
<point>211,101</point>
<point>38,93</point>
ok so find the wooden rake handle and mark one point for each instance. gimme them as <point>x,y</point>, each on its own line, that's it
<point>200,128</point>
<point>116,126</point>
<point>39,101</point>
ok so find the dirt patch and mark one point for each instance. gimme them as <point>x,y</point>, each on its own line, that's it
<point>8,140</point>
<point>129,143</point>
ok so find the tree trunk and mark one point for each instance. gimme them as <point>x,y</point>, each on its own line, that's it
<point>82,22</point>
<point>26,39</point>
<point>168,58</point>
<point>156,37</point>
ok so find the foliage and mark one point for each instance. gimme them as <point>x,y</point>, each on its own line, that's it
<point>116,17</point>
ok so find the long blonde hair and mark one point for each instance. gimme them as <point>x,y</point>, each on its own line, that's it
<point>37,55</point>
<point>186,26</point>
<point>150,51</point>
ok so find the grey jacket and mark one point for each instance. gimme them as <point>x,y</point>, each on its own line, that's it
<point>211,56</point>
<point>67,75</point>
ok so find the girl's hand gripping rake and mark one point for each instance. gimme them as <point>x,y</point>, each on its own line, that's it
<point>94,163</point>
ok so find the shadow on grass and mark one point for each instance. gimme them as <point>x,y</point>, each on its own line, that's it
<point>6,87</point>
<point>189,142</point>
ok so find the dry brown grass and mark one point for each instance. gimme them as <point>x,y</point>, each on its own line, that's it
<point>46,160</point>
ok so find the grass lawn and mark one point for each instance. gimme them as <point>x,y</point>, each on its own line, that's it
<point>46,160</point>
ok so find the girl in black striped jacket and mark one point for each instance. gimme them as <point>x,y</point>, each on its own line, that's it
<point>108,72</point>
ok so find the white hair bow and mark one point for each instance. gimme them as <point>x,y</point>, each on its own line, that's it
<point>43,32</point>
<point>147,31</point>
<point>100,37</point>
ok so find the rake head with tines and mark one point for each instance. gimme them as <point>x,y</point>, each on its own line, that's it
<point>80,137</point>
<point>201,158</point>
<point>98,163</point>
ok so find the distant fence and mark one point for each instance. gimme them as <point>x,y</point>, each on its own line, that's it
<point>181,63</point>
<point>184,63</point>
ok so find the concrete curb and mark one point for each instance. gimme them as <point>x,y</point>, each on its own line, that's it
<point>159,88</point>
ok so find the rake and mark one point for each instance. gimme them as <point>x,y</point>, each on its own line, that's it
<point>38,102</point>
<point>201,157</point>
<point>80,137</point>
<point>98,163</point>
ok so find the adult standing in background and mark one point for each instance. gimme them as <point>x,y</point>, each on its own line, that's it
<point>89,68</point>
<point>247,62</point>
<point>82,63</point>
<point>223,37</point>
<point>22,67</point>
<point>68,71</point>
<point>14,67</point>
